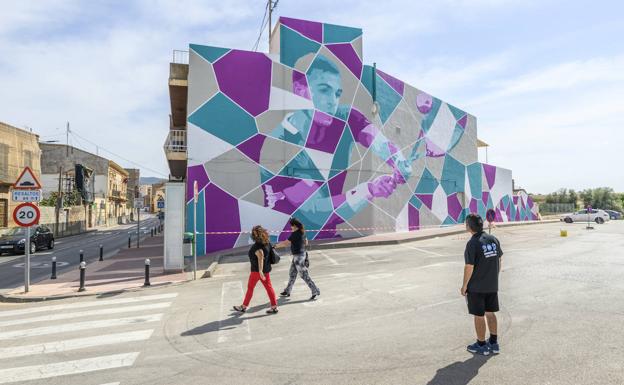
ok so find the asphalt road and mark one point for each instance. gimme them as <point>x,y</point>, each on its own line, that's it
<point>386,315</point>
<point>67,253</point>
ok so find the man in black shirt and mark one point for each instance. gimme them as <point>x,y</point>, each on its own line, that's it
<point>480,287</point>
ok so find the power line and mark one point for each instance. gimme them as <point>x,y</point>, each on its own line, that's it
<point>262,26</point>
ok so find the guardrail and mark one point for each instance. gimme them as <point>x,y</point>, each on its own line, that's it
<point>180,57</point>
<point>176,141</point>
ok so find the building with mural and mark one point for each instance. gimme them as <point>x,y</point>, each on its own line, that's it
<point>308,130</point>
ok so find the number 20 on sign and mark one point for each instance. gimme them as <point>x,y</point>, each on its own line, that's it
<point>26,214</point>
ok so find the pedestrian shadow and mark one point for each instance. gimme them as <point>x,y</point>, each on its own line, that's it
<point>226,324</point>
<point>459,373</point>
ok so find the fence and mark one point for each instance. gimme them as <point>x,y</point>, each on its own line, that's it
<point>556,208</point>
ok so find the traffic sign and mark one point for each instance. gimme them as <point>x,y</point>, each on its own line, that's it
<point>160,204</point>
<point>26,195</point>
<point>27,180</point>
<point>26,214</point>
<point>490,215</point>
<point>138,203</point>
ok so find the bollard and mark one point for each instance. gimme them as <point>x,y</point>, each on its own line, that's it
<point>151,232</point>
<point>147,273</point>
<point>138,239</point>
<point>83,267</point>
<point>129,241</point>
<point>101,253</point>
<point>53,268</point>
<point>81,256</point>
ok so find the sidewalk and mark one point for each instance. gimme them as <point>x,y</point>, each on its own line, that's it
<point>124,271</point>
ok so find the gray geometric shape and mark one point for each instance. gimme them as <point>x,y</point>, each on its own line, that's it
<point>396,202</point>
<point>282,77</point>
<point>349,81</point>
<point>276,153</point>
<point>435,165</point>
<point>418,167</point>
<point>466,149</point>
<point>234,173</point>
<point>363,219</point>
<point>357,46</point>
<point>202,82</point>
<point>409,96</point>
<point>381,220</point>
<point>401,128</point>
<point>303,63</point>
<point>256,196</point>
<point>427,218</point>
<point>363,102</point>
<point>269,120</point>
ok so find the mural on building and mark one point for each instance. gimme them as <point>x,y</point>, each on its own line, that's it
<point>309,131</point>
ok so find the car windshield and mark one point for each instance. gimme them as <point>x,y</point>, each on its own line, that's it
<point>15,231</point>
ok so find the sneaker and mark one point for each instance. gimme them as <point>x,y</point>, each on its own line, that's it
<point>494,348</point>
<point>314,296</point>
<point>285,294</point>
<point>475,348</point>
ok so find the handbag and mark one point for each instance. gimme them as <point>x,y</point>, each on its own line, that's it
<point>274,256</point>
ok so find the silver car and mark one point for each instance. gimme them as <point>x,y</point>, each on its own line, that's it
<point>598,216</point>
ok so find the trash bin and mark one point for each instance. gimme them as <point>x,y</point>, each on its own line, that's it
<point>188,245</point>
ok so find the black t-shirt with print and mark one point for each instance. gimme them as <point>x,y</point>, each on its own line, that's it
<point>296,243</point>
<point>484,252</point>
<point>254,260</point>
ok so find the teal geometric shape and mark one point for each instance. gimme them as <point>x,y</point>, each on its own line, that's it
<point>475,179</point>
<point>265,175</point>
<point>430,117</point>
<point>505,201</point>
<point>339,34</point>
<point>209,53</point>
<point>414,201</point>
<point>449,221</point>
<point>316,210</point>
<point>188,227</point>
<point>387,98</point>
<point>201,214</point>
<point>453,175</point>
<point>224,119</point>
<point>481,208</point>
<point>302,166</point>
<point>342,153</point>
<point>367,78</point>
<point>293,46</point>
<point>428,183</point>
<point>457,134</point>
<point>457,113</point>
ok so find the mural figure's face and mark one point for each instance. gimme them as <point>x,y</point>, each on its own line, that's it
<point>326,88</point>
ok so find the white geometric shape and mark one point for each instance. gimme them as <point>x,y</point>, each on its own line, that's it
<point>441,131</point>
<point>502,185</point>
<point>402,220</point>
<point>283,100</point>
<point>439,207</point>
<point>252,214</point>
<point>467,192</point>
<point>322,160</point>
<point>205,146</point>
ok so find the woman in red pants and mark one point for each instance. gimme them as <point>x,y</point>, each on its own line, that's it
<point>260,269</point>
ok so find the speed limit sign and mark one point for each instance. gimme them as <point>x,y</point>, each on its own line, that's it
<point>26,214</point>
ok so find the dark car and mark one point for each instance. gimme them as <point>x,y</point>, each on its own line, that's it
<point>13,240</point>
<point>614,214</point>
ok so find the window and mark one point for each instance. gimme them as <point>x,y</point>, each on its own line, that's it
<point>4,208</point>
<point>4,161</point>
<point>28,158</point>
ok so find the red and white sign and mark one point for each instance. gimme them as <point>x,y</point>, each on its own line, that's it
<point>26,214</point>
<point>27,180</point>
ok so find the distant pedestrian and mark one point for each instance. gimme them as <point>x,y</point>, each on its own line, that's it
<point>260,269</point>
<point>298,242</point>
<point>483,258</point>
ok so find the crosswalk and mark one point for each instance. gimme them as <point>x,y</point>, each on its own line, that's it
<point>45,342</point>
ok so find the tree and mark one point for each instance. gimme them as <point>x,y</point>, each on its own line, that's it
<point>601,198</point>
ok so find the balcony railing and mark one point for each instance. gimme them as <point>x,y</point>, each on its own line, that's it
<point>176,141</point>
<point>180,57</point>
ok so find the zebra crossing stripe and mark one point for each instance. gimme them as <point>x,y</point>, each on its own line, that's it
<point>81,305</point>
<point>37,372</point>
<point>60,316</point>
<point>73,327</point>
<point>74,344</point>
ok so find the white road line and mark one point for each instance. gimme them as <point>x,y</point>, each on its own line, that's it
<point>330,259</point>
<point>80,305</point>
<point>369,259</point>
<point>347,324</point>
<point>59,316</point>
<point>232,328</point>
<point>37,372</point>
<point>421,250</point>
<point>72,327</point>
<point>112,383</point>
<point>74,344</point>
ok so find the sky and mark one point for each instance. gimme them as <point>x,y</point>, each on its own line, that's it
<point>545,78</point>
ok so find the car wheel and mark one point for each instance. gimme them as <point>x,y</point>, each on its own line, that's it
<point>599,220</point>
<point>33,247</point>
<point>568,220</point>
<point>51,244</point>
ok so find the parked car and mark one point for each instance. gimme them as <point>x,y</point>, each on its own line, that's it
<point>13,241</point>
<point>598,216</point>
<point>614,214</point>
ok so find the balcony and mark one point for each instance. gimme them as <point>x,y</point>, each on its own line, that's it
<point>118,195</point>
<point>175,150</point>
<point>178,87</point>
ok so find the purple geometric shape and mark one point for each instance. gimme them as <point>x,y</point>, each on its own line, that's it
<point>462,121</point>
<point>424,102</point>
<point>508,211</point>
<point>413,217</point>
<point>515,200</point>
<point>490,174</point>
<point>427,199</point>
<point>335,188</point>
<point>300,85</point>
<point>530,202</point>
<point>329,229</point>
<point>485,197</point>
<point>357,123</point>
<point>454,206</point>
<point>395,83</point>
<point>252,146</point>
<point>348,56</point>
<point>517,215</point>
<point>195,173</point>
<point>499,217</point>
<point>308,29</point>
<point>295,192</point>
<point>221,216</point>
<point>433,150</point>
<point>474,209</point>
<point>325,132</point>
<point>246,78</point>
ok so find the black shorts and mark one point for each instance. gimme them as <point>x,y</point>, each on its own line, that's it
<point>479,303</point>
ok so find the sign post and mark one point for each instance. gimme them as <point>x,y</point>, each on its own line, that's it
<point>195,193</point>
<point>490,215</point>
<point>589,226</point>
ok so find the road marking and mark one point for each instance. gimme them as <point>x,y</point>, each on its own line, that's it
<point>112,383</point>
<point>369,259</point>
<point>72,327</point>
<point>60,316</point>
<point>37,372</point>
<point>410,287</point>
<point>74,344</point>
<point>80,305</point>
<point>347,324</point>
<point>231,293</point>
<point>421,250</point>
<point>330,259</point>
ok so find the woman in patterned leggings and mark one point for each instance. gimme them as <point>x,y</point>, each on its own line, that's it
<point>297,242</point>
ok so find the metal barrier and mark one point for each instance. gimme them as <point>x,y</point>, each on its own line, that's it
<point>180,57</point>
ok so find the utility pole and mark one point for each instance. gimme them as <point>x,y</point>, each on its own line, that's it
<point>67,139</point>
<point>59,202</point>
<point>272,4</point>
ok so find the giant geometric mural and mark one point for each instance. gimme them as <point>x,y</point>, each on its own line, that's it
<point>314,133</point>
